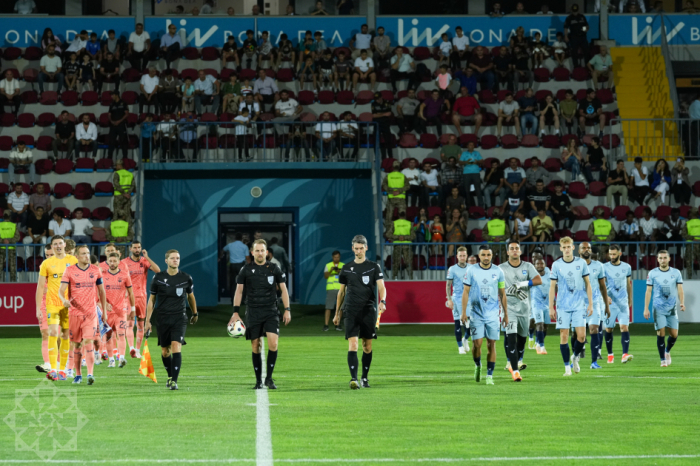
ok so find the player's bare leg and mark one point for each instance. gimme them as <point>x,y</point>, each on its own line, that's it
<point>130,332</point>
<point>665,347</point>
<point>89,351</point>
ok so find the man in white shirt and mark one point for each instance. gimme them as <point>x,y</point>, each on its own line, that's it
<point>139,48</point>
<point>18,205</point>
<point>80,228</point>
<point>403,67</point>
<point>60,225</point>
<point>167,138</point>
<point>77,46</point>
<point>326,131</point>
<point>252,106</point>
<point>430,183</point>
<point>206,92</point>
<point>25,7</point>
<point>364,69</point>
<point>361,41</point>
<point>412,174</point>
<point>349,135</point>
<point>21,158</point>
<point>508,111</point>
<point>9,92</point>
<point>50,69</point>
<point>207,8</point>
<point>639,188</point>
<point>86,135</point>
<point>286,109</point>
<point>460,49</point>
<point>149,90</point>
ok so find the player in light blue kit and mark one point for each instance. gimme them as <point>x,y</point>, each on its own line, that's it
<point>665,285</point>
<point>600,300</point>
<point>574,301</point>
<point>484,287</point>
<point>454,288</point>
<point>539,303</point>
<point>618,277</point>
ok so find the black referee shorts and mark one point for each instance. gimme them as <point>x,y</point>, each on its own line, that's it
<point>171,327</point>
<point>361,323</point>
<point>260,325</point>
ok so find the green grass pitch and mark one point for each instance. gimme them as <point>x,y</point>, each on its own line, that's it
<point>423,405</point>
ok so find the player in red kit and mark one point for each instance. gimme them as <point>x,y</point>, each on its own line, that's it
<point>108,340</point>
<point>139,264</point>
<point>117,283</point>
<point>83,281</point>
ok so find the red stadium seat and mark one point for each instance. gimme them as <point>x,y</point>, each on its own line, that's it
<point>210,54</point>
<point>597,188</point>
<point>130,97</point>
<point>63,166</point>
<point>7,120</point>
<point>68,98</point>
<point>509,141</point>
<point>306,97</point>
<point>552,164</point>
<point>486,97</point>
<point>488,141</point>
<point>104,188</point>
<point>28,139</point>
<point>561,74</point>
<point>581,74</point>
<point>428,141</point>
<point>530,140</point>
<point>662,212</point>
<point>605,96</point>
<point>190,53</point>
<point>26,120</point>
<point>326,97</point>
<point>104,165</point>
<point>43,166</point>
<point>577,190</point>
<point>12,54</point>
<point>344,97</point>
<point>46,119</point>
<point>541,75</point>
<point>32,53</point>
<point>101,213</point>
<point>477,212</point>
<point>44,143</point>
<point>89,98</point>
<point>584,214</point>
<point>364,97</point>
<point>83,191</point>
<point>551,141</point>
<point>580,236</point>
<point>85,165</point>
<point>639,211</point>
<point>99,236</point>
<point>285,75</point>
<point>421,53</point>
<point>61,190</point>
<point>408,141</point>
<point>620,212</point>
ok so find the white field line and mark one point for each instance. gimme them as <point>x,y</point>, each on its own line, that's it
<point>263,436</point>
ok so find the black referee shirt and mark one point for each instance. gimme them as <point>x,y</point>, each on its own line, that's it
<point>171,292</point>
<point>260,282</point>
<point>360,282</point>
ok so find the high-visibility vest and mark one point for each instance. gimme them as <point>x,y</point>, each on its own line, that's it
<point>402,228</point>
<point>7,231</point>
<point>120,228</point>
<point>332,282</point>
<point>601,229</point>
<point>125,179</point>
<point>693,228</point>
<point>497,227</point>
<point>395,180</point>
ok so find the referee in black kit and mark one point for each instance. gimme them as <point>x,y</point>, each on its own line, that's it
<point>171,290</point>
<point>359,281</point>
<point>260,280</point>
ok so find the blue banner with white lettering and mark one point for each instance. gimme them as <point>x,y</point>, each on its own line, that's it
<point>412,31</point>
<point>28,30</point>
<point>201,31</point>
<point>337,30</point>
<point>681,29</point>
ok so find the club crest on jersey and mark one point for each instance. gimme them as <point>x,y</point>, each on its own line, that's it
<point>578,267</point>
<point>365,279</point>
<point>179,291</point>
<point>524,272</point>
<point>493,276</point>
<point>270,279</point>
<point>92,275</point>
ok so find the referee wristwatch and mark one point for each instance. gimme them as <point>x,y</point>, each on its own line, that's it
<point>383,301</point>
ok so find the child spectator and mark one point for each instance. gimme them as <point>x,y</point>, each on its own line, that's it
<point>539,50</point>
<point>230,52</point>
<point>87,71</point>
<point>342,70</point>
<point>445,49</point>
<point>326,71</point>
<point>187,95</point>
<point>568,108</point>
<point>306,73</point>
<point>559,47</point>
<point>443,79</point>
<point>286,51</point>
<point>71,68</point>
<point>93,48</point>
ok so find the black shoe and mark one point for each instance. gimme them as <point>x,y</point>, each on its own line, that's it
<point>258,385</point>
<point>354,384</point>
<point>339,329</point>
<point>325,328</point>
<point>173,385</point>
<point>269,383</point>
<point>365,383</point>
<point>169,382</point>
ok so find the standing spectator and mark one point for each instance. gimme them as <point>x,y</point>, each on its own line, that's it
<point>539,199</point>
<point>514,200</point>
<point>629,231</point>
<point>206,92</point>
<point>590,110</point>
<point>381,46</point>
<point>601,230</point>
<point>50,66</point>
<point>496,230</point>
<point>242,124</point>
<point>319,10</point>
<point>37,230</point>
<point>430,181</point>
<point>167,138</point>
<point>466,110</point>
<point>456,231</point>
<point>572,159</point>
<point>508,111</point>
<point>522,230</point>
<point>279,253</point>
<point>496,11</point>
<point>252,106</point>
<point>601,68</point>
<point>460,49</point>
<point>381,114</point>
<point>429,112</point>
<point>25,7</point>
<point>395,184</point>
<point>471,174</point>
<point>660,182</point>
<point>561,207</point>
<point>549,114</point>
<point>576,34</point>
<point>639,183</point>
<point>680,183</point>
<point>120,231</point>
<point>81,227</point>
<point>412,174</point>
<point>403,67</point>
<point>265,89</point>
<point>9,92</point>
<point>108,72</point>
<point>60,226</point>
<point>349,136</point>
<point>483,69</point>
<point>86,137</point>
<point>326,132</point>
<point>519,9</point>
<point>148,128</point>
<point>617,183</point>
<point>139,48</point>
<point>40,199</point>
<point>569,111</point>
<point>451,176</point>
<point>595,160</point>
<point>345,7</point>
<point>64,135</point>
<point>534,173</point>
<point>528,106</point>
<point>503,67</point>
<point>9,235</point>
<point>364,69</point>
<point>18,204</point>
<point>21,158</point>
<point>170,45</point>
<point>124,188</point>
<point>360,41</point>
<point>691,232</point>
<point>401,231</point>
<point>521,67</point>
<point>48,38</point>
<point>78,45</point>
<point>169,96</point>
<point>118,113</point>
<point>406,112</point>
<point>207,7</point>
<point>513,173</point>
<point>494,185</point>
<point>255,11</point>
<point>238,255</point>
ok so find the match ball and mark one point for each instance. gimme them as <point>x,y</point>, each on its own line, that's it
<point>236,330</point>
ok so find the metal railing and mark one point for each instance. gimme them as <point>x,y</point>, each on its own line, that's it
<point>655,138</point>
<point>189,140</point>
<point>430,261</point>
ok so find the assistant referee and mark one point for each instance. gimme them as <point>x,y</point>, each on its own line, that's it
<point>260,280</point>
<point>359,281</point>
<point>171,290</point>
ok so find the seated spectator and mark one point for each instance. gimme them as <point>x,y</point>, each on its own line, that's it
<point>39,199</point>
<point>364,70</point>
<point>467,79</point>
<point>430,181</point>
<point>445,50</point>
<point>229,52</point>
<point>437,233</point>
<point>48,38</point>
<point>266,51</point>
<point>673,227</point>
<point>345,7</point>
<point>37,230</point>
<point>539,50</point>
<point>81,227</point>
<point>572,159</point>
<point>9,92</point>
<point>528,106</point>
<point>460,49</point>
<point>494,191</point>
<point>534,173</point>
<point>590,109</point>
<point>514,201</point>
<point>629,231</point>
<point>170,45</point>
<point>231,92</point>
<point>206,92</point>
<point>60,225</point>
<point>680,183</point>
<point>381,46</point>
<point>87,74</point>
<point>660,182</point>
<point>549,114</point>
<point>503,67</point>
<point>255,11</point>
<point>569,111</point>
<point>406,112</point>
<point>466,110</point>
<point>542,227</point>
<point>470,160</point>
<point>307,48</point>
<point>166,138</point>
<point>508,112</point>
<point>326,131</point>
<point>360,41</point>
<point>319,10</point>
<point>265,89</point>
<point>496,10</point>
<point>617,183</point>
<point>78,45</point>
<point>483,68</point>
<point>149,90</point>
<point>690,7</point>
<point>207,7</point>
<point>248,51</point>
<point>429,112</point>
<point>521,67</point>
<point>522,230</point>
<point>544,10</point>
<point>50,66</point>
<point>139,48</point>
<point>601,230</point>
<point>108,72</point>
<point>595,160</point>
<point>287,109</point>
<point>188,93</point>
<point>381,114</point>
<point>64,135</point>
<point>454,202</point>
<point>93,48</point>
<point>307,72</point>
<point>451,176</point>
<point>514,173</point>
<point>601,68</point>
<point>639,182</point>
<point>539,199</point>
<point>349,136</point>
<point>21,159</point>
<point>71,70</point>
<point>286,51</point>
<point>559,49</point>
<point>86,137</point>
<point>252,106</point>
<point>403,67</point>
<point>113,46</point>
<point>25,7</point>
<point>561,208</point>
<point>18,204</point>
<point>169,95</point>
<point>325,71</point>
<point>456,229</point>
<point>658,7</point>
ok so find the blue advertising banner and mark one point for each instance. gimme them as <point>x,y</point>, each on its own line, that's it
<point>27,31</point>
<point>201,31</point>
<point>337,30</point>
<point>681,29</point>
<point>482,30</point>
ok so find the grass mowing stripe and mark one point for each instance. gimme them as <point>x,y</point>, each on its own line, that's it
<point>263,438</point>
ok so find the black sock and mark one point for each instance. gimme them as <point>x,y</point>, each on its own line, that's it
<point>661,346</point>
<point>671,342</point>
<point>366,362</point>
<point>505,345</point>
<point>257,366</point>
<point>352,364</point>
<point>609,342</point>
<point>177,364</point>
<point>521,346</point>
<point>512,351</point>
<point>167,362</point>
<point>271,360</point>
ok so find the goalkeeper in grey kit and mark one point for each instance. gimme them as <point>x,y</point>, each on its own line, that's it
<point>520,276</point>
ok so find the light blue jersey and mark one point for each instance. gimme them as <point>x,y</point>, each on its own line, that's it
<point>483,294</point>
<point>571,295</point>
<point>457,274</point>
<point>665,290</point>
<point>539,298</point>
<point>597,272</point>
<point>616,282</point>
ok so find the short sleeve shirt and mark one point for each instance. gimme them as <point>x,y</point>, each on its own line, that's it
<point>484,285</point>
<point>171,292</point>
<point>664,283</point>
<point>360,282</point>
<point>287,108</point>
<point>115,288</point>
<point>139,40</point>
<point>82,288</point>
<point>508,108</point>
<point>467,156</point>
<point>571,295</point>
<point>616,281</point>
<point>364,65</point>
<point>138,274</point>
<point>408,105</point>
<point>362,41</point>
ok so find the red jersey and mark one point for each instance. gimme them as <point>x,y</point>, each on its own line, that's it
<point>115,288</point>
<point>82,288</point>
<point>139,274</point>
